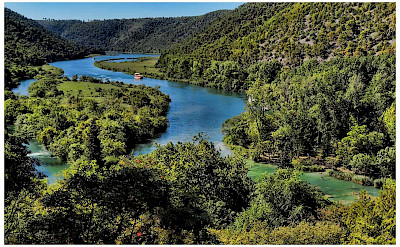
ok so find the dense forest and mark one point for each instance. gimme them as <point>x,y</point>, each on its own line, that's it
<point>101,203</point>
<point>28,44</point>
<point>287,33</point>
<point>320,85</point>
<point>341,113</point>
<point>87,117</point>
<point>149,35</point>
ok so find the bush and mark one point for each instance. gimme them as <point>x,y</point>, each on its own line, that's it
<point>340,175</point>
<point>378,183</point>
<point>360,179</point>
<point>364,180</point>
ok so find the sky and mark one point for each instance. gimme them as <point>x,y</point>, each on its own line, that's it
<point>103,10</point>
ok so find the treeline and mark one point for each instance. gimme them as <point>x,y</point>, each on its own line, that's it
<point>99,126</point>
<point>28,44</point>
<point>149,35</point>
<point>186,193</point>
<point>289,33</point>
<point>340,112</point>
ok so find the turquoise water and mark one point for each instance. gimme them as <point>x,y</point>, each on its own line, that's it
<point>337,190</point>
<point>50,166</point>
<point>22,89</point>
<point>193,109</point>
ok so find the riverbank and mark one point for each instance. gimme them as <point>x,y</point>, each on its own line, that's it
<point>147,67</point>
<point>117,115</point>
<point>192,110</point>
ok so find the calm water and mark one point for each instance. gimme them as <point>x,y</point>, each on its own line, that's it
<point>22,89</point>
<point>337,190</point>
<point>193,109</point>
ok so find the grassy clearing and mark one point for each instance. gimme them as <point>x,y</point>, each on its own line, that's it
<point>88,90</point>
<point>83,88</point>
<point>143,65</point>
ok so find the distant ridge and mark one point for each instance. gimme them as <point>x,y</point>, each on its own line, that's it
<point>289,33</point>
<point>28,44</point>
<point>148,35</point>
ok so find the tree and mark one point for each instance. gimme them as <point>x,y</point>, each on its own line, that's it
<point>373,221</point>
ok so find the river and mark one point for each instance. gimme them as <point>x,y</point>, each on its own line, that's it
<point>193,109</point>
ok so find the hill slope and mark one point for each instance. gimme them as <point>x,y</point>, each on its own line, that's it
<point>132,35</point>
<point>28,44</point>
<point>289,33</point>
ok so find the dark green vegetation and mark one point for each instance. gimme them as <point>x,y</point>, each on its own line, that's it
<point>321,93</point>
<point>149,35</point>
<point>28,44</point>
<point>87,118</point>
<point>143,65</point>
<point>367,221</point>
<point>145,199</point>
<point>340,113</point>
<point>288,33</point>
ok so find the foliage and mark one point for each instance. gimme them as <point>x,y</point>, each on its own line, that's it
<point>20,173</point>
<point>281,199</point>
<point>348,176</point>
<point>204,188</point>
<point>316,109</point>
<point>138,200</point>
<point>281,204</point>
<point>146,35</point>
<point>75,123</point>
<point>289,33</point>
<point>29,44</point>
<point>373,221</point>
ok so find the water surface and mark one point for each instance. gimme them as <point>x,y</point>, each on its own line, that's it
<point>193,110</point>
<point>22,89</point>
<point>337,190</point>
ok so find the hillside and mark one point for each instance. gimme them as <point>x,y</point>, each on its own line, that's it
<point>289,33</point>
<point>132,35</point>
<point>28,44</point>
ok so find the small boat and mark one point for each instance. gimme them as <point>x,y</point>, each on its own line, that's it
<point>138,76</point>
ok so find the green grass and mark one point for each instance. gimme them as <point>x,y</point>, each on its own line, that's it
<point>143,65</point>
<point>87,90</point>
<point>83,88</point>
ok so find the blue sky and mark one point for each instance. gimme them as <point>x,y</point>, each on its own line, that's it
<point>104,10</point>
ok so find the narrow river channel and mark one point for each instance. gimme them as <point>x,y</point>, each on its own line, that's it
<point>193,110</point>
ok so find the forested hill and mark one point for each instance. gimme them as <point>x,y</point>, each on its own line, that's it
<point>132,35</point>
<point>28,44</point>
<point>289,33</point>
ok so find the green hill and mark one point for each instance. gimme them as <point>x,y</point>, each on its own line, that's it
<point>289,33</point>
<point>132,35</point>
<point>28,44</point>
